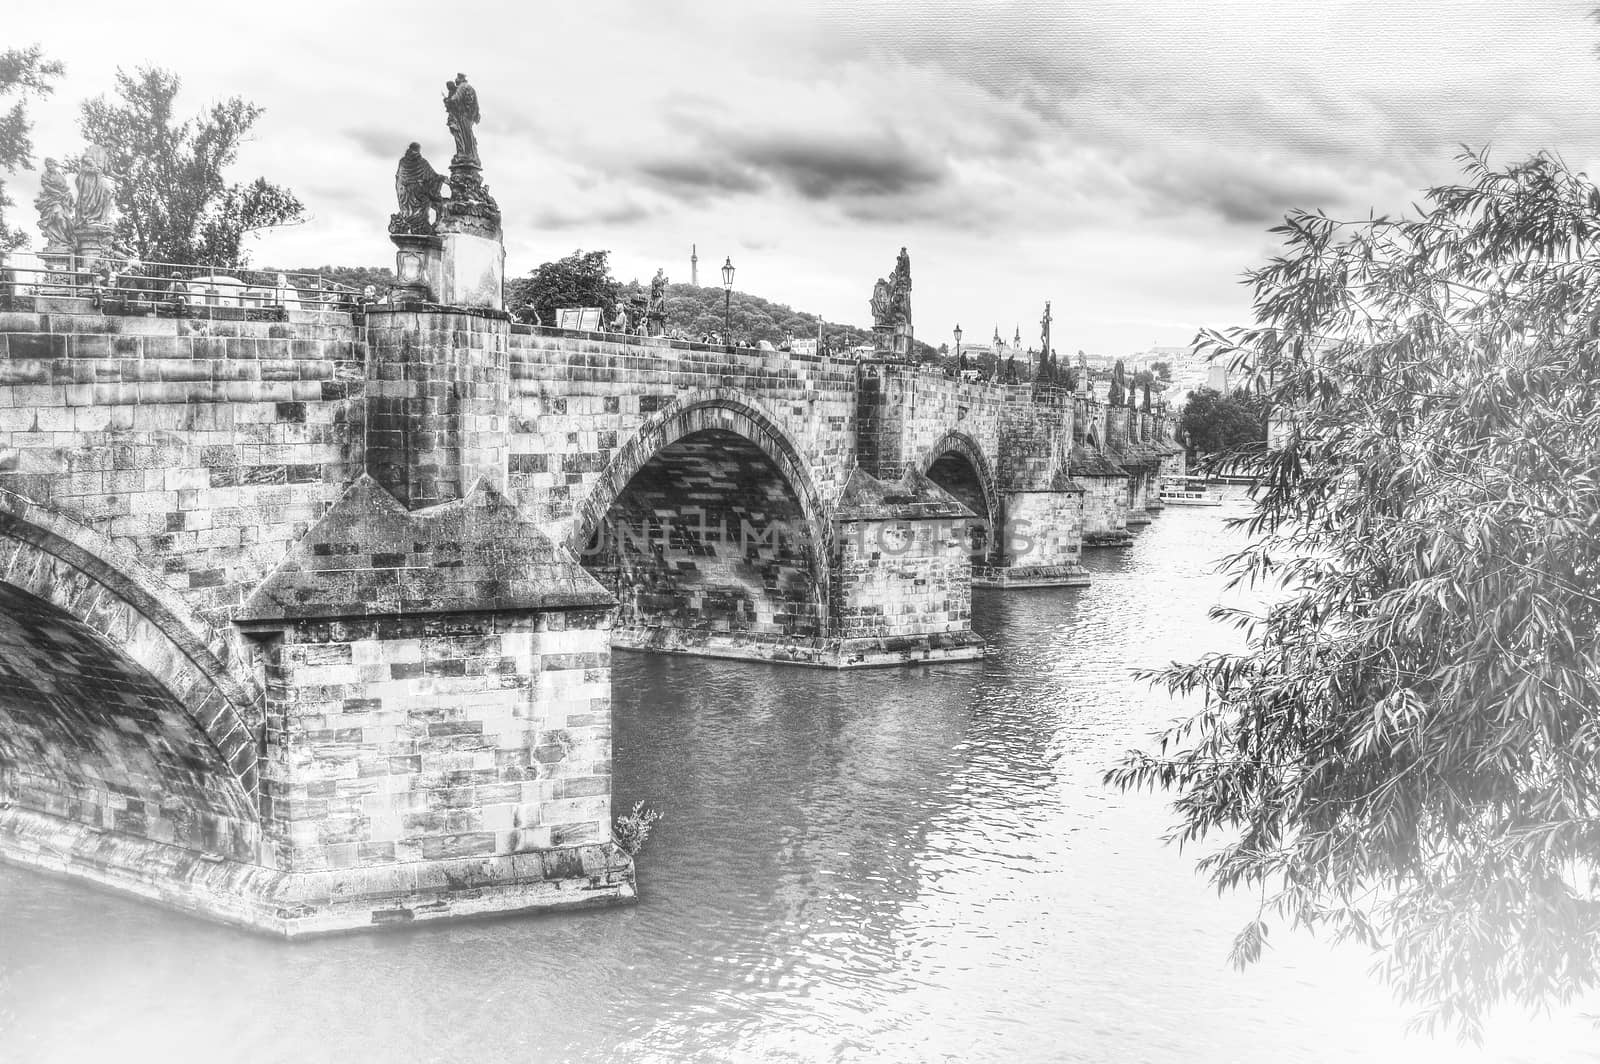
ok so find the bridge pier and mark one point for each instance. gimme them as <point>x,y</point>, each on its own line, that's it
<point>1043,540</point>
<point>902,574</point>
<point>437,737</point>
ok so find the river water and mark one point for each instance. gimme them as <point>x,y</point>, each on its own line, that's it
<point>914,864</point>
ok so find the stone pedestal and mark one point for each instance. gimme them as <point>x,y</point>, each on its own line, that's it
<point>902,341</point>
<point>417,267</point>
<point>472,267</point>
<point>92,244</point>
<point>883,341</point>
<point>58,278</point>
<point>460,261</point>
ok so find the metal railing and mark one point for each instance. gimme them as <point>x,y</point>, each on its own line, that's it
<point>123,285</point>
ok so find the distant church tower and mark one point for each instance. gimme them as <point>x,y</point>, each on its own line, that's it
<point>694,266</point>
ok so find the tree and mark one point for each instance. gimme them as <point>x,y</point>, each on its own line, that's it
<point>581,279</point>
<point>1407,752</point>
<point>1227,426</point>
<point>173,201</point>
<point>1162,370</point>
<point>22,71</point>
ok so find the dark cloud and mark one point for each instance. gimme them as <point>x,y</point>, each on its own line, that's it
<point>627,213</point>
<point>723,155</point>
<point>1245,191</point>
<point>819,167</point>
<point>695,178</point>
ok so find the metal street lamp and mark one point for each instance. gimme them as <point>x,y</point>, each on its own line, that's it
<point>960,362</point>
<point>727,299</point>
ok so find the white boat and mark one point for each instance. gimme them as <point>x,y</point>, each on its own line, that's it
<point>1187,494</point>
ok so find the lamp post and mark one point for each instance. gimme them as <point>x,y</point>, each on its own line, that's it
<point>960,363</point>
<point>727,300</point>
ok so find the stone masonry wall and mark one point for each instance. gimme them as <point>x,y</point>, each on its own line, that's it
<point>904,411</point>
<point>1105,509</point>
<point>896,579</point>
<point>436,406</point>
<point>576,401</point>
<point>428,738</point>
<point>206,446</point>
<point>1044,529</point>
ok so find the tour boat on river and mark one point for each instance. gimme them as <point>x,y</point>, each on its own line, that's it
<point>1187,492</point>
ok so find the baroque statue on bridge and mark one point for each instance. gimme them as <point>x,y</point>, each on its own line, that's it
<point>97,197</point>
<point>900,304</point>
<point>470,206</point>
<point>56,208</point>
<point>880,303</point>
<point>461,104</point>
<point>416,188</point>
<point>891,310</point>
<point>656,310</point>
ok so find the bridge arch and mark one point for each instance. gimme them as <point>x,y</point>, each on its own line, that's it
<point>709,521</point>
<point>957,464</point>
<point>117,706</point>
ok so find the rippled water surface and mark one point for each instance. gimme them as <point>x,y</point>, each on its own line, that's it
<point>913,864</point>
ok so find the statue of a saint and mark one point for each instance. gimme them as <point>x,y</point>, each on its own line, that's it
<point>461,104</point>
<point>656,311</point>
<point>900,294</point>
<point>56,208</point>
<point>880,302</point>
<point>416,188</point>
<point>97,199</point>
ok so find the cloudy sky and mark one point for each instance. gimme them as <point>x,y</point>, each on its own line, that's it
<point>1121,159</point>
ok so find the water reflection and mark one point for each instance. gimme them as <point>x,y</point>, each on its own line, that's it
<point>913,864</point>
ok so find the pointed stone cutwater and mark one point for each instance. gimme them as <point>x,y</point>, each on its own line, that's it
<point>440,681</point>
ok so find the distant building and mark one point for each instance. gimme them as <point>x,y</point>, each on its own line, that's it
<point>1217,378</point>
<point>804,347</point>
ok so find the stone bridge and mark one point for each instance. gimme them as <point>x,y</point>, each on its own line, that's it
<point>306,617</point>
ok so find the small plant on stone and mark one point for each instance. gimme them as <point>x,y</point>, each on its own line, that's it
<point>633,828</point>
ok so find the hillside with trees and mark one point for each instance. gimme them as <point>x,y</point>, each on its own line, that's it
<point>584,279</point>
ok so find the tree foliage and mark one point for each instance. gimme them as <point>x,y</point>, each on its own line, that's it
<point>584,279</point>
<point>174,203</point>
<point>23,71</point>
<point>581,279</point>
<point>1407,752</point>
<point>1119,384</point>
<point>1227,426</point>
